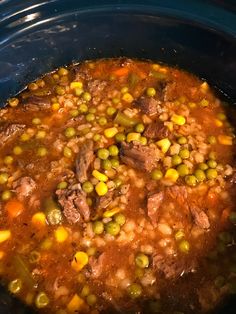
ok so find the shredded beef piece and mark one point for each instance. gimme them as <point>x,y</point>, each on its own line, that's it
<point>137,156</point>
<point>74,204</point>
<point>200,217</point>
<point>104,201</point>
<point>153,204</point>
<point>83,161</point>
<point>172,267</point>
<point>36,103</point>
<point>9,132</point>
<point>148,105</point>
<point>156,130</point>
<point>170,91</point>
<point>96,87</point>
<point>178,193</point>
<point>24,187</point>
<point>97,265</point>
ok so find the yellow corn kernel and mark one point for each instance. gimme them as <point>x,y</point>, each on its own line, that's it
<point>2,254</point>
<point>164,144</point>
<point>110,132</point>
<point>127,97</point>
<point>204,102</point>
<point>155,67</point>
<point>101,188</point>
<point>172,175</point>
<point>100,176</point>
<point>218,123</point>
<point>4,235</point>
<point>76,85</point>
<point>25,137</point>
<point>204,87</point>
<point>61,234</point>
<point>178,119</point>
<point>192,105</point>
<point>225,140</point>
<point>169,125</point>
<point>79,261</point>
<point>133,137</point>
<point>39,218</point>
<point>75,303</point>
<point>111,212</point>
<point>46,244</point>
<point>55,106</point>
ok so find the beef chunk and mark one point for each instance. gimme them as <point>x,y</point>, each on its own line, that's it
<point>24,187</point>
<point>83,161</point>
<point>156,130</point>
<point>9,132</point>
<point>36,103</point>
<point>170,91</point>
<point>178,193</point>
<point>153,204</point>
<point>96,87</point>
<point>138,156</point>
<point>104,201</point>
<point>147,105</point>
<point>200,217</point>
<point>97,265</point>
<point>74,204</point>
<point>172,267</point>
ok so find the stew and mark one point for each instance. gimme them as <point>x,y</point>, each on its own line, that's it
<point>117,188</point>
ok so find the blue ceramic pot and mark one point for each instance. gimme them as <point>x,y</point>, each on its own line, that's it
<point>38,36</point>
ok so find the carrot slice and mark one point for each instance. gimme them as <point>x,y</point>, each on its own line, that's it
<point>121,71</point>
<point>14,208</point>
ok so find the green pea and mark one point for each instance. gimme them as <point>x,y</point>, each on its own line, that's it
<point>212,155</point>
<point>102,121</point>
<point>219,281</point>
<point>110,111</point>
<point>124,90</point>
<point>79,91</point>
<point>96,137</point>
<point>92,110</point>
<point>41,300</point>
<point>182,140</point>
<point>74,113</point>
<point>203,166</point>
<point>103,153</point>
<point>184,153</point>
<point>221,116</point>
<point>91,299</point>
<point>211,174</point>
<point>106,164</point>
<point>184,246</point>
<point>87,187</point>
<point>3,178</point>
<point>98,227</point>
<point>118,182</point>
<point>6,195</point>
<point>115,163</point>
<point>139,128</point>
<point>211,139</point>
<point>135,290</point>
<point>151,92</point>
<point>70,132</point>
<point>232,217</point>
<point>15,286</point>
<point>17,150</point>
<point>8,160</point>
<point>212,163</point>
<point>62,71</point>
<point>60,90</point>
<point>67,152</point>
<point>156,174</point>
<point>120,219</point>
<point>183,170</point>
<point>120,137</point>
<point>143,140</point>
<point>90,117</point>
<point>36,121</point>
<point>142,260</point>
<point>115,100</point>
<point>113,150</point>
<point>176,160</point>
<point>225,237</point>
<point>42,151</point>
<point>200,175</point>
<point>83,108</point>
<point>191,180</point>
<point>87,96</point>
<point>112,228</point>
<point>62,185</point>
